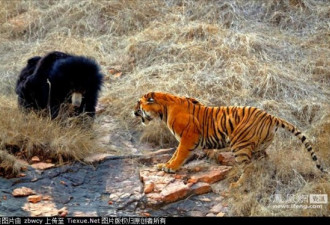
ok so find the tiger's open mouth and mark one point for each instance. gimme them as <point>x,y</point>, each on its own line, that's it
<point>143,115</point>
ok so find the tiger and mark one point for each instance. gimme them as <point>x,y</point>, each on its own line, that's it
<point>245,130</point>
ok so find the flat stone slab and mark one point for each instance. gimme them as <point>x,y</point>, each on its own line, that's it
<point>42,165</point>
<point>161,188</point>
<point>23,191</point>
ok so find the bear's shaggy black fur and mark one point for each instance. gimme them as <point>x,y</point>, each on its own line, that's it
<point>48,82</point>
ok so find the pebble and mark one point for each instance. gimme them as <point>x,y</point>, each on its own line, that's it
<point>148,188</point>
<point>34,198</point>
<point>196,213</point>
<point>23,191</point>
<point>126,195</point>
<point>114,197</point>
<point>217,208</point>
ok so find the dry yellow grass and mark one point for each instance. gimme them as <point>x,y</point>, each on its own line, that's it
<point>269,54</point>
<point>28,135</point>
<point>9,165</point>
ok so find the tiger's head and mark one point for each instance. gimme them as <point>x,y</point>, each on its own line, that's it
<point>155,105</point>
<point>148,108</point>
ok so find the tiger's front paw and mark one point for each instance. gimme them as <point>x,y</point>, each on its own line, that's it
<point>165,167</point>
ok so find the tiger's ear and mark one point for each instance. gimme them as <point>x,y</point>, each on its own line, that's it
<point>194,101</point>
<point>150,100</point>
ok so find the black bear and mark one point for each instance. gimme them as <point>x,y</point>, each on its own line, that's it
<point>48,82</point>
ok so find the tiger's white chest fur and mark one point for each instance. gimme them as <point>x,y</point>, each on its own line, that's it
<point>177,137</point>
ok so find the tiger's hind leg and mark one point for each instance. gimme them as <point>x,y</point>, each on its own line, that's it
<point>244,142</point>
<point>243,155</point>
<point>260,152</point>
<point>245,173</point>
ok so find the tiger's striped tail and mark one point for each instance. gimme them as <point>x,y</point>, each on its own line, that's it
<point>288,126</point>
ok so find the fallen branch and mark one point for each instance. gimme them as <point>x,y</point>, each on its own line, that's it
<point>102,157</point>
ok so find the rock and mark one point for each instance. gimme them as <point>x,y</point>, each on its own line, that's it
<point>63,212</point>
<point>217,208</point>
<point>196,213</point>
<point>35,159</point>
<point>23,191</point>
<point>197,169</point>
<point>149,188</point>
<point>219,198</point>
<point>205,199</point>
<point>160,173</point>
<point>115,72</point>
<point>41,209</point>
<point>210,215</point>
<point>127,183</point>
<point>34,198</point>
<point>114,197</point>
<point>160,188</point>
<point>136,197</point>
<point>226,158</point>
<point>213,175</point>
<point>192,180</point>
<point>42,165</point>
<point>148,175</point>
<point>145,214</point>
<point>200,188</point>
<point>177,176</point>
<point>154,198</point>
<point>47,198</point>
<point>126,195</point>
<point>174,192</point>
<point>220,214</point>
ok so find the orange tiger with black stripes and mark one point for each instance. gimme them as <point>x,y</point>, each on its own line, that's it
<point>249,130</point>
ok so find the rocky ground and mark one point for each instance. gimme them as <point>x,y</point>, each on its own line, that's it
<point>107,184</point>
<point>115,186</point>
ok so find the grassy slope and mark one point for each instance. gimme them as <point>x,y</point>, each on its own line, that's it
<point>270,54</point>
